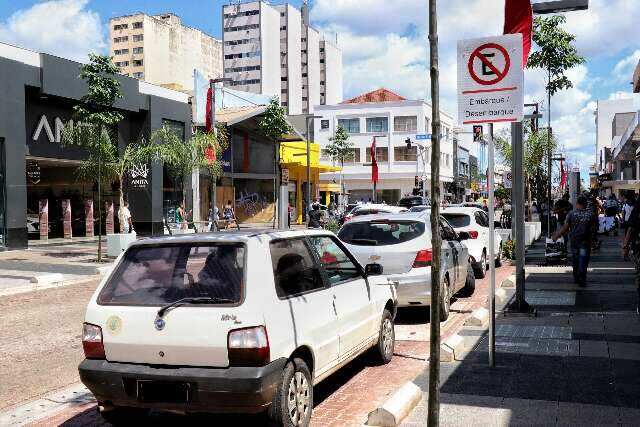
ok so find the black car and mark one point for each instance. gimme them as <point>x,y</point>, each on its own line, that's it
<point>411,201</point>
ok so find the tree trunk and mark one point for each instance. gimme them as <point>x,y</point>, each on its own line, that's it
<point>100,194</point>
<point>121,209</point>
<point>342,204</point>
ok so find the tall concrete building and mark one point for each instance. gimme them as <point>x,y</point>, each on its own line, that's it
<point>272,50</point>
<point>160,50</point>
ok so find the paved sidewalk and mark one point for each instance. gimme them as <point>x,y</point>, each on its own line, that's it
<point>576,363</point>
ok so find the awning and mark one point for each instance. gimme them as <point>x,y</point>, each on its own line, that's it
<point>329,186</point>
<point>294,153</point>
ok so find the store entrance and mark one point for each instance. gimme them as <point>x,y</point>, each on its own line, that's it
<point>56,181</point>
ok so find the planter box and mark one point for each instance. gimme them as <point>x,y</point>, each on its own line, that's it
<point>117,243</point>
<point>505,234</point>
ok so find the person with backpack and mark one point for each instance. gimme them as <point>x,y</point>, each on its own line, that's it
<point>632,242</point>
<point>579,223</point>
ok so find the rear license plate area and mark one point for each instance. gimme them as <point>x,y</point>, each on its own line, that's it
<point>149,391</point>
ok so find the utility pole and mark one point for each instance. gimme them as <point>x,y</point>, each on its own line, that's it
<point>433,411</point>
<point>214,195</point>
<point>549,155</point>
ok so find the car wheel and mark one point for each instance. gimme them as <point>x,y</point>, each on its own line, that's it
<point>445,300</point>
<point>121,416</point>
<point>293,399</point>
<point>386,339</point>
<point>481,266</point>
<point>470,283</point>
<point>499,258</point>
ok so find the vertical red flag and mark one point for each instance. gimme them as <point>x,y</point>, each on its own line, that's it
<point>518,18</point>
<point>208,124</point>
<point>563,175</point>
<point>374,162</point>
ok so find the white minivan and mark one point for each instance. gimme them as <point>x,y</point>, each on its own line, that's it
<point>231,322</point>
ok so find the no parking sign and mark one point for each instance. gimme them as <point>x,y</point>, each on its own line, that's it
<point>490,80</point>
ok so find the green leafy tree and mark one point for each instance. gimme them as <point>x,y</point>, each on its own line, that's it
<point>273,125</point>
<point>95,117</point>
<point>340,149</point>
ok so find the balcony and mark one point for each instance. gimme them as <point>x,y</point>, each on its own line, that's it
<point>626,148</point>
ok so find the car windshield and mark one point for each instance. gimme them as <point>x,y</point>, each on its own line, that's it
<point>414,201</point>
<point>457,220</point>
<point>381,233</point>
<point>419,208</point>
<point>162,274</point>
<point>365,211</point>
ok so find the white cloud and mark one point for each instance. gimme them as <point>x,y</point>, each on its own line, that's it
<point>61,27</point>
<point>624,69</point>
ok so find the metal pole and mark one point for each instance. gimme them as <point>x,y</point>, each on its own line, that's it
<point>518,217</point>
<point>423,155</point>
<point>549,171</point>
<point>214,190</point>
<point>308,167</point>
<point>492,257</point>
<point>433,410</point>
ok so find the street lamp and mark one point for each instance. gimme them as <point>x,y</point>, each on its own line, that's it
<point>558,6</point>
<point>212,86</point>
<point>309,120</point>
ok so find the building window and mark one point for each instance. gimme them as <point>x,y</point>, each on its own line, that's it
<point>322,61</point>
<point>242,41</point>
<point>121,27</point>
<point>138,37</point>
<point>240,69</point>
<point>321,83</point>
<point>137,25</point>
<point>321,50</point>
<point>405,123</point>
<point>284,104</point>
<point>354,158</point>
<point>283,28</point>
<point>122,64</point>
<point>427,124</point>
<point>283,79</point>
<point>137,62</point>
<point>377,124</point>
<point>121,39</point>
<point>350,125</point>
<point>138,50</point>
<point>281,13</point>
<point>324,124</point>
<point>242,55</point>
<point>382,154</point>
<point>243,27</point>
<point>404,154</point>
<point>305,99</point>
<point>138,75</point>
<point>245,13</point>
<point>121,51</point>
<point>245,82</point>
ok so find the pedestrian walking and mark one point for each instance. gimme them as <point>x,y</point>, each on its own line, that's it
<point>562,208</point>
<point>627,208</point>
<point>632,242</point>
<point>229,215</point>
<point>126,217</point>
<point>214,216</point>
<point>579,224</point>
<point>315,217</point>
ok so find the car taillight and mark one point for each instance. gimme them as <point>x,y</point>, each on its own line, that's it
<point>248,347</point>
<point>423,258</point>
<point>92,341</point>
<point>347,218</point>
<point>473,234</point>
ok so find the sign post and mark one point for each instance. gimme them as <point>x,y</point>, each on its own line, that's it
<point>490,90</point>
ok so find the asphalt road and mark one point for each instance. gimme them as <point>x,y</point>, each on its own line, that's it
<point>40,341</point>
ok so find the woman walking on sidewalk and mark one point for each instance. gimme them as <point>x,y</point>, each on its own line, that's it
<point>579,223</point>
<point>632,241</point>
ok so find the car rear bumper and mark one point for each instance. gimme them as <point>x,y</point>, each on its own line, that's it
<point>237,389</point>
<point>414,287</point>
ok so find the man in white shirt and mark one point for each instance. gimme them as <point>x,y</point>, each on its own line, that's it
<point>126,216</point>
<point>628,208</point>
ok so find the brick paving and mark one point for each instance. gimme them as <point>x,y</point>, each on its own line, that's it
<point>342,400</point>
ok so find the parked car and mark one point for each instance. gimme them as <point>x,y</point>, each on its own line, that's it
<point>239,321</point>
<point>410,201</point>
<point>419,208</point>
<point>348,212</point>
<point>475,221</point>
<point>402,245</point>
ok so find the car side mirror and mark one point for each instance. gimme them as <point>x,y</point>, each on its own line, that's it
<point>463,235</point>
<point>373,270</point>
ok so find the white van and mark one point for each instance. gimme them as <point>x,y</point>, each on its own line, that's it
<point>231,322</point>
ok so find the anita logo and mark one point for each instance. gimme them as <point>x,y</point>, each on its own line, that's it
<point>139,175</point>
<point>43,124</point>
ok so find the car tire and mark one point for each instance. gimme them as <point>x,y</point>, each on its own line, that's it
<point>445,300</point>
<point>470,283</point>
<point>499,258</point>
<point>293,400</point>
<point>122,416</point>
<point>386,339</point>
<point>481,266</point>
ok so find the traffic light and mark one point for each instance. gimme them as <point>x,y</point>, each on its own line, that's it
<point>408,142</point>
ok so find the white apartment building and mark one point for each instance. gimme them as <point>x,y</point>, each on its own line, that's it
<point>272,50</point>
<point>604,115</point>
<point>160,50</point>
<point>395,119</point>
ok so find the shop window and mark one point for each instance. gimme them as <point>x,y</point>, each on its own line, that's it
<point>377,124</point>
<point>382,154</point>
<point>350,125</point>
<point>405,123</point>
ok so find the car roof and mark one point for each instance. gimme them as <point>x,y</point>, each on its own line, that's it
<point>392,217</point>
<point>461,209</point>
<point>229,236</point>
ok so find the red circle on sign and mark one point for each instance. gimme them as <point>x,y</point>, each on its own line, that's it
<point>500,74</point>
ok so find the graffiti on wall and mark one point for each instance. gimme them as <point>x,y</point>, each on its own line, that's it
<point>253,207</point>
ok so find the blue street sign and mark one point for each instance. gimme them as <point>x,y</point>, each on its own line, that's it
<point>423,136</point>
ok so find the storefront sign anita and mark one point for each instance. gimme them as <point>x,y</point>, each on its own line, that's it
<point>43,124</point>
<point>139,176</point>
<point>33,172</point>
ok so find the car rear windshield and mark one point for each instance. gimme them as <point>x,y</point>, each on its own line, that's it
<point>414,201</point>
<point>457,220</point>
<point>157,275</point>
<point>361,212</point>
<point>381,233</point>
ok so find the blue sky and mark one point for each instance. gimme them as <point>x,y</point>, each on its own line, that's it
<point>383,43</point>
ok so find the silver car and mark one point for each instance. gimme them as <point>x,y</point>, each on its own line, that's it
<point>401,243</point>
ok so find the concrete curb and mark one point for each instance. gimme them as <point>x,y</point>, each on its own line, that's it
<point>46,279</point>
<point>37,287</point>
<point>501,296</point>
<point>509,282</point>
<point>479,317</point>
<point>397,407</point>
<point>451,348</point>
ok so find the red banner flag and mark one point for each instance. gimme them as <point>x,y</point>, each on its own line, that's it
<point>518,18</point>
<point>563,175</point>
<point>374,162</point>
<point>208,119</point>
<point>210,154</point>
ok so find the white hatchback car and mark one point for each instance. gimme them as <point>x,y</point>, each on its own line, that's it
<point>475,222</point>
<point>231,322</point>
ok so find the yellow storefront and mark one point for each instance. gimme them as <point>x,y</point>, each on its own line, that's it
<point>293,156</point>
